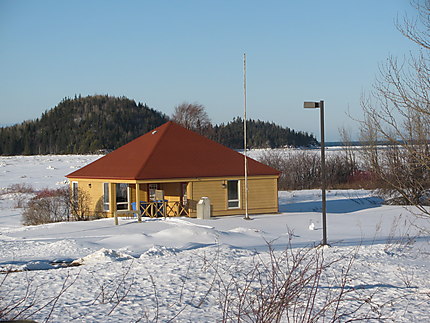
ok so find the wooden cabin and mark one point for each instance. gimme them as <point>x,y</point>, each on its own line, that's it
<point>167,171</point>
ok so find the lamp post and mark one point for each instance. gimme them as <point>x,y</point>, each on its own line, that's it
<point>320,105</point>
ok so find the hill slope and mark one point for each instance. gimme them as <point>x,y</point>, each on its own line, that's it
<point>261,134</point>
<point>81,125</point>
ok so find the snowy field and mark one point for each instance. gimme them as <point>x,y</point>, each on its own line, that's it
<point>190,270</point>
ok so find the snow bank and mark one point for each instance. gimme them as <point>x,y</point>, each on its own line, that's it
<point>102,256</point>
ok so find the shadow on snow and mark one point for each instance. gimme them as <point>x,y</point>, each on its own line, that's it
<point>346,205</point>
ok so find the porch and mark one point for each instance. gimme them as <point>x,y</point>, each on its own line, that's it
<point>146,199</point>
<point>161,208</point>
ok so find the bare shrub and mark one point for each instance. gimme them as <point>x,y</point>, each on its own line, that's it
<point>339,170</point>
<point>403,178</point>
<point>115,292</point>
<point>22,307</point>
<point>294,285</point>
<point>302,169</point>
<point>400,237</point>
<point>56,205</point>
<point>20,200</point>
<point>46,207</point>
<point>363,179</point>
<point>276,159</point>
<point>20,192</point>
<point>78,205</point>
<point>289,287</point>
<point>20,188</point>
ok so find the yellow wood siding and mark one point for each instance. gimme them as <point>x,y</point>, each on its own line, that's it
<point>262,193</point>
<point>143,192</point>
<point>213,189</point>
<point>132,196</point>
<point>94,193</point>
<point>172,191</point>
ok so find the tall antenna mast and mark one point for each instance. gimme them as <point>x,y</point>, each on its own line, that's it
<point>244,138</point>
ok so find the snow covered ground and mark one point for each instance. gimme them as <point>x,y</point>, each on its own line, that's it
<point>176,269</point>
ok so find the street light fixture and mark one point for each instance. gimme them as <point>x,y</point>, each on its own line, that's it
<point>320,105</point>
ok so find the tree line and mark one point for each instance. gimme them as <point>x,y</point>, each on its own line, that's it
<point>97,123</point>
<point>261,134</point>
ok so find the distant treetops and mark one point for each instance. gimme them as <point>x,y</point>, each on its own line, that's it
<point>101,123</point>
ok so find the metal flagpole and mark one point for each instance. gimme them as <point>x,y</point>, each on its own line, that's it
<point>244,138</point>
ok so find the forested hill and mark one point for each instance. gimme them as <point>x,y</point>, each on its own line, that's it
<point>81,125</point>
<point>261,134</point>
<point>90,124</point>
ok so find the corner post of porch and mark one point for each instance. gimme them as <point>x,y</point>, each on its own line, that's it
<point>139,214</point>
<point>112,201</point>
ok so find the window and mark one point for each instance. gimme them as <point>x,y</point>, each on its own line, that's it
<point>105,196</point>
<point>233,194</point>
<point>122,194</point>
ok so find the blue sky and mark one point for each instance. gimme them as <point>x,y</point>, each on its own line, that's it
<point>163,53</point>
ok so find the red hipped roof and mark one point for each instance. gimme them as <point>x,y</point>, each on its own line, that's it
<point>171,151</point>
